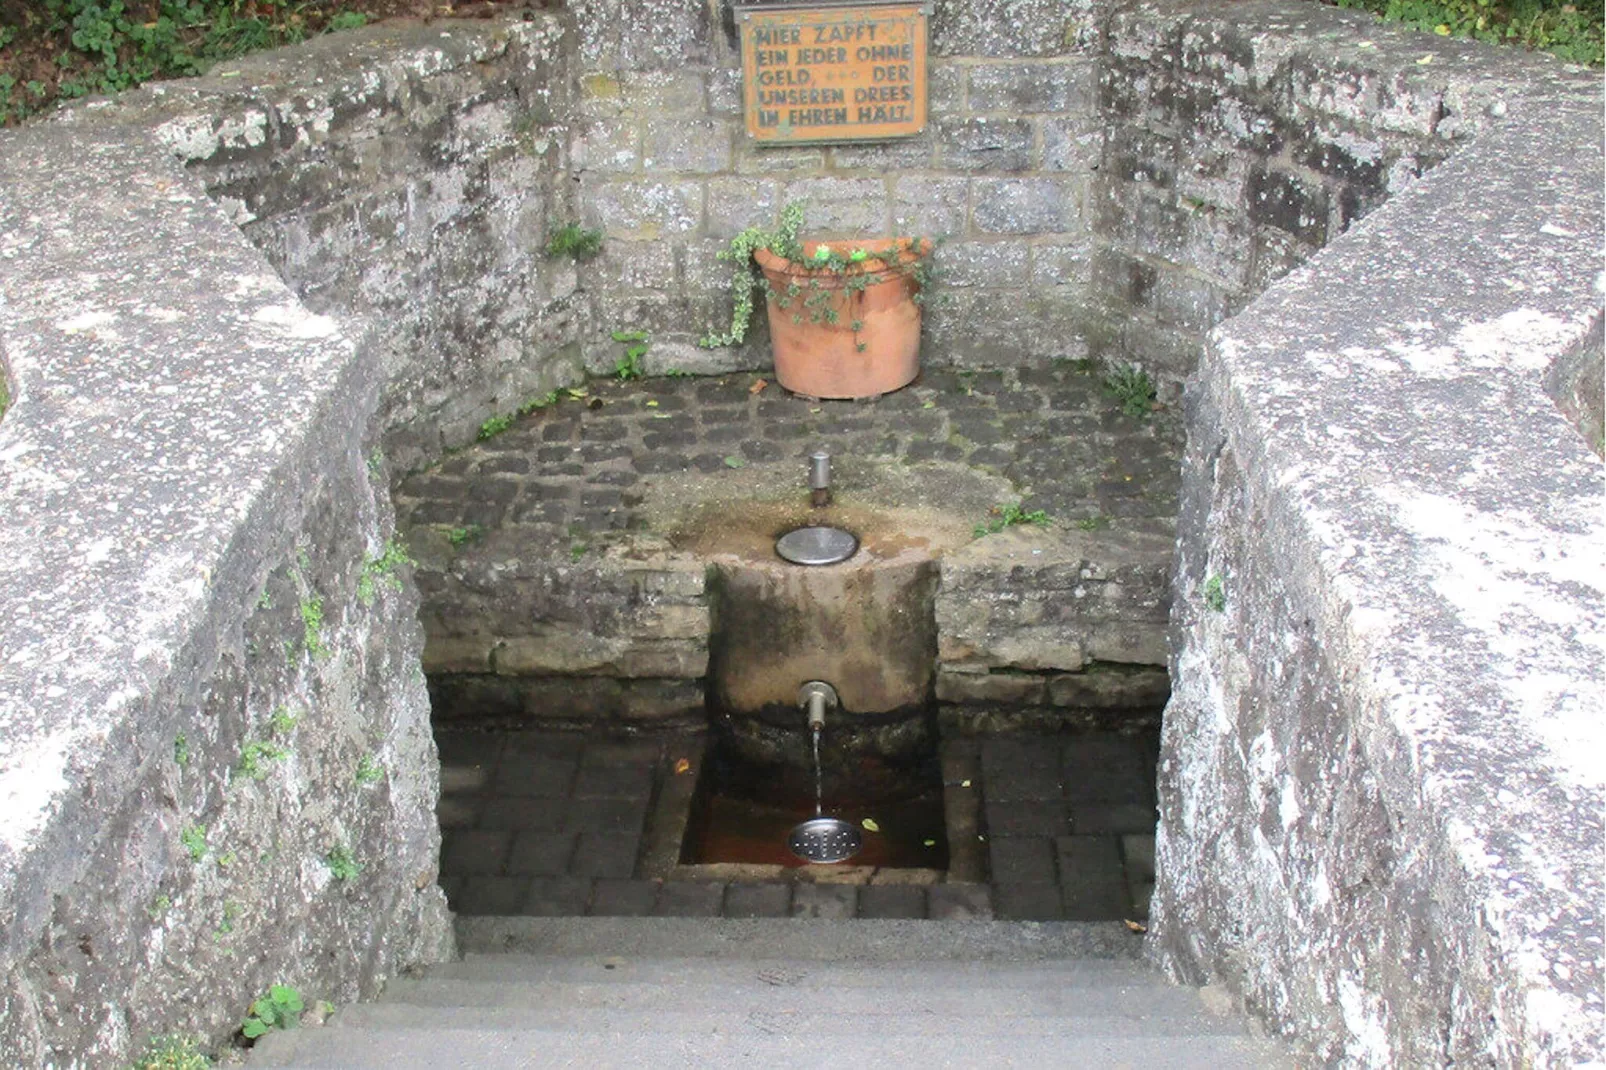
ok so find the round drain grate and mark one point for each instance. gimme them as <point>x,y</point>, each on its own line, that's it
<point>825,840</point>
<point>817,546</point>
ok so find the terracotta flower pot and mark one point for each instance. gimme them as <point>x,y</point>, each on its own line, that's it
<point>835,338</point>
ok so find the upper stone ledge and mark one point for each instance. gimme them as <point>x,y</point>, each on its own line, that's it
<point>1390,397</point>
<point>299,94</point>
<point>168,392</point>
<point>1334,65</point>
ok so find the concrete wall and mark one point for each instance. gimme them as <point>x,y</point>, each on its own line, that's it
<point>1380,783</point>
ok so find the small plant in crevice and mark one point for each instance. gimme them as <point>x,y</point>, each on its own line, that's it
<point>225,924</point>
<point>159,907</point>
<point>181,751</point>
<point>1214,594</point>
<point>381,570</point>
<point>464,535</point>
<point>280,1009</point>
<point>343,865</point>
<point>256,758</point>
<point>368,771</point>
<point>283,721</point>
<point>628,367</point>
<point>1131,388</point>
<point>495,426</point>
<point>312,626</point>
<point>193,840</point>
<point>175,1051</point>
<point>1011,514</point>
<point>573,240</point>
<point>1093,523</point>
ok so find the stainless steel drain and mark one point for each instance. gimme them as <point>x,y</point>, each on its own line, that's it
<point>825,839</point>
<point>817,546</point>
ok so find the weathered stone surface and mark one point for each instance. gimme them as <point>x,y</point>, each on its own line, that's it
<point>195,669</point>
<point>1375,728</point>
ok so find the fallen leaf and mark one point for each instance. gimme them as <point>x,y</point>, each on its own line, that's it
<point>1425,60</point>
<point>682,766</point>
<point>964,783</point>
<point>734,461</point>
<point>652,404</point>
<point>928,843</point>
<point>757,386</point>
<point>870,825</point>
<point>1135,926</point>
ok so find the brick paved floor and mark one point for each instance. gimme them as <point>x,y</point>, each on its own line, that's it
<point>580,464</point>
<point>562,824</point>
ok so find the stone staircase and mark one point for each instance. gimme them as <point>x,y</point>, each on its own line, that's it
<point>606,992</point>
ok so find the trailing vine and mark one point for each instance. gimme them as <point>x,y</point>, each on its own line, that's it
<point>851,273</point>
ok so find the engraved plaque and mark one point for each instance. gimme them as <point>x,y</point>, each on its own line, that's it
<point>834,73</point>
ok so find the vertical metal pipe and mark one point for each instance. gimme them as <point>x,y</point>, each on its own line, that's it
<point>819,479</point>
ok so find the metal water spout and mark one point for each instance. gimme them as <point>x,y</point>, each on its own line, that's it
<point>821,839</point>
<point>819,479</point>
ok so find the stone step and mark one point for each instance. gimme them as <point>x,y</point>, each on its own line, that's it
<point>802,940</point>
<point>923,994</point>
<point>788,973</point>
<point>789,1018</point>
<point>425,1048</point>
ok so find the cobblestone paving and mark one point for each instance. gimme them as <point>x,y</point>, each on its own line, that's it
<point>562,824</point>
<point>578,465</point>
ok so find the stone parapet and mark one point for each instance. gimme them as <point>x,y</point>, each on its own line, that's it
<point>1380,779</point>
<point>216,769</point>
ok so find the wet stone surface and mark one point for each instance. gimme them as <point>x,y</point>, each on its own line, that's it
<point>581,466</point>
<point>548,823</point>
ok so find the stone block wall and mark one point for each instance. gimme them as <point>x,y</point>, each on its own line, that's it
<point>216,766</point>
<point>405,179</point>
<point>1241,140</point>
<point>1002,172</point>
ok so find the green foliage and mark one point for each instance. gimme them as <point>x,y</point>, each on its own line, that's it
<point>159,907</point>
<point>282,720</point>
<point>173,1052</point>
<point>280,1009</point>
<point>1008,515</point>
<point>181,751</point>
<point>368,770</point>
<point>539,402</point>
<point>495,426</point>
<point>256,757</point>
<point>346,20</point>
<point>1132,389</point>
<point>382,570</point>
<point>312,626</point>
<point>105,46</point>
<point>193,839</point>
<point>1093,523</point>
<point>1569,31</point>
<point>342,863</point>
<point>1214,593</point>
<point>819,300</point>
<point>629,366</point>
<point>575,241</point>
<point>464,535</point>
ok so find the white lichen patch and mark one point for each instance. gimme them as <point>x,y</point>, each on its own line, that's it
<point>296,321</point>
<point>86,321</point>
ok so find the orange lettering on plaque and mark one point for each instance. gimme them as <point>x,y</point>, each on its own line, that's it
<point>834,73</point>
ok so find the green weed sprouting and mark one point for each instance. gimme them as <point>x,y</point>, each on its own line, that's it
<point>256,756</point>
<point>312,626</point>
<point>628,367</point>
<point>1008,515</point>
<point>280,1009</point>
<point>368,770</point>
<point>1214,593</point>
<point>573,240</point>
<point>343,865</point>
<point>1132,389</point>
<point>382,570</point>
<point>193,840</point>
<point>174,1051</point>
